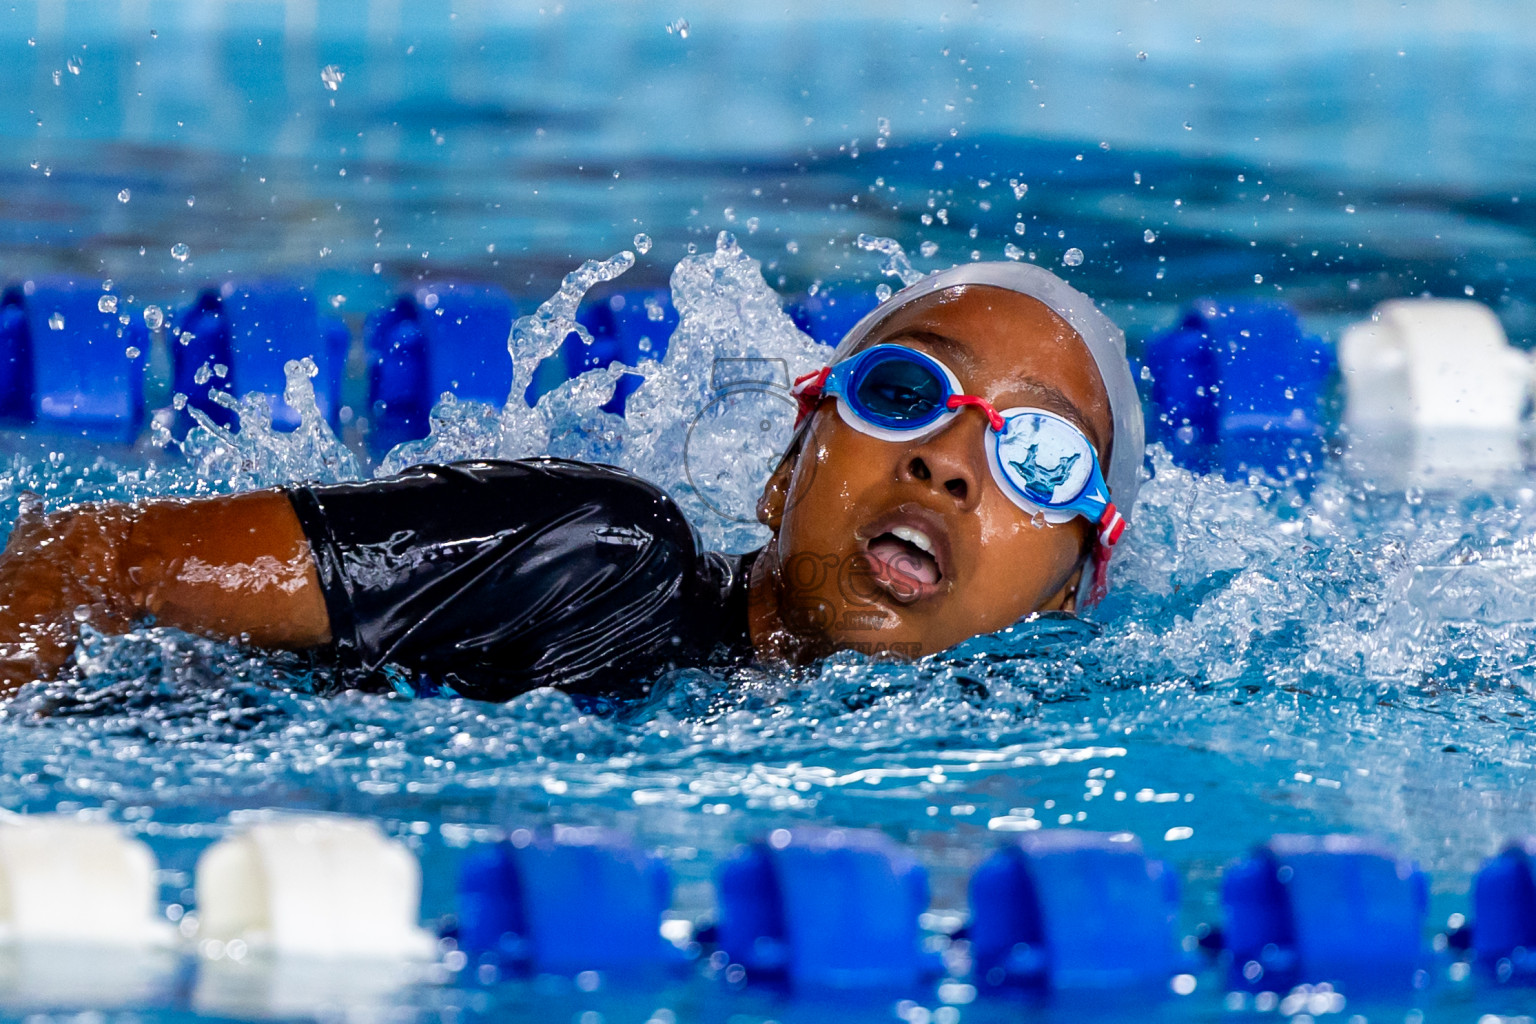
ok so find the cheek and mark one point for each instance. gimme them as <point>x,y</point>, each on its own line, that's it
<point>1036,555</point>
<point>839,465</point>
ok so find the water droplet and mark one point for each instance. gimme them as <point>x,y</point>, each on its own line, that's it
<point>1018,227</point>
<point>1141,54</point>
<point>1349,208</point>
<point>929,249</point>
<point>132,352</point>
<point>1020,189</point>
<point>332,75</point>
<point>191,200</point>
<point>178,401</point>
<point>882,291</point>
<point>122,196</point>
<point>1073,257</point>
<point>1149,235</point>
<point>679,28</point>
<point>180,252</point>
<point>107,304</point>
<point>752,225</point>
<point>73,64</point>
<point>1188,127</point>
<point>56,322</point>
<point>791,246</point>
<point>1013,252</point>
<point>1258,278</point>
<point>220,370</point>
<point>154,317</point>
<point>1468,290</point>
<point>642,243</point>
<point>203,375</point>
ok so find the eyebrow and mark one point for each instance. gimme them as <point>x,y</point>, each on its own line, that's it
<point>1052,394</point>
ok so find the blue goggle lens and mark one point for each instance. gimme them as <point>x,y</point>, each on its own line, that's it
<point>895,391</point>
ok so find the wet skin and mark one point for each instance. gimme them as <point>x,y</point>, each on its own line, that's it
<point>237,567</point>
<point>829,580</point>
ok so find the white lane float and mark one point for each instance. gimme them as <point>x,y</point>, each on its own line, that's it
<point>80,921</point>
<point>66,880</point>
<point>1435,393</point>
<point>312,885</point>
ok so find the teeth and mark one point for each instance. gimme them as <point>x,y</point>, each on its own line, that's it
<point>917,537</point>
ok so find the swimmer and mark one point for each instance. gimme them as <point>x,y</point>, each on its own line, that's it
<point>969,457</point>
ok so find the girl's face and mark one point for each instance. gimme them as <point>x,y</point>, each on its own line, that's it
<point>838,574</point>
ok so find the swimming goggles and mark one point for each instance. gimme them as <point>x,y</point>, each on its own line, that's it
<point>1042,462</point>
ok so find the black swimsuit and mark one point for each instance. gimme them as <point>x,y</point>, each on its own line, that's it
<point>487,579</point>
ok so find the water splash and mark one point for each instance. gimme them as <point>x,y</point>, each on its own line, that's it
<point>715,414</point>
<point>709,422</point>
<point>259,455</point>
<point>526,431</point>
<point>895,264</point>
<point>457,429</point>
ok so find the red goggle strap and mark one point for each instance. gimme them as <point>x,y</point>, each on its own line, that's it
<point>1111,525</point>
<point>807,392</point>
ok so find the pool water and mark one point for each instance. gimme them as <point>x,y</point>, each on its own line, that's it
<point>1348,655</point>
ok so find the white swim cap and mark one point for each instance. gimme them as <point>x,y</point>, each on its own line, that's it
<point>1105,342</point>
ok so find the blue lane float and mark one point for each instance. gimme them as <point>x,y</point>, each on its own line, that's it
<point>250,331</point>
<point>1328,908</point>
<point>825,909</point>
<point>575,899</point>
<point>69,362</point>
<point>447,336</point>
<point>1504,913</point>
<point>1065,909</point>
<point>1238,386</point>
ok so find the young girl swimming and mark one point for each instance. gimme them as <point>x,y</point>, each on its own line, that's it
<point>969,456</point>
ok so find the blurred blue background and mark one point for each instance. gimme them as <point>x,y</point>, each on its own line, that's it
<point>1328,154</point>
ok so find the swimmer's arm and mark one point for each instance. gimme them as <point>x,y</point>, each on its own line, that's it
<point>236,567</point>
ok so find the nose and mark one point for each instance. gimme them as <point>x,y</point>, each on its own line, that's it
<point>951,459</point>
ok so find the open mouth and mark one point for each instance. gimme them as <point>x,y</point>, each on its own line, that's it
<point>906,552</point>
